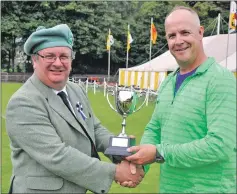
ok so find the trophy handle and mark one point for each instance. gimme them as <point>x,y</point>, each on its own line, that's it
<point>141,104</point>
<point>111,106</point>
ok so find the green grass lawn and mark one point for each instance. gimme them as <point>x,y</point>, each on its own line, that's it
<point>109,118</point>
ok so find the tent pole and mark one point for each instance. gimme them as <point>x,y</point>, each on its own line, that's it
<point>227,49</point>
<point>218,24</point>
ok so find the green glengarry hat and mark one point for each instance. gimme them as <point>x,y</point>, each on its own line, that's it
<point>42,38</point>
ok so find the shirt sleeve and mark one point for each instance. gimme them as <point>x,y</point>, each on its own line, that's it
<point>219,144</point>
<point>151,134</point>
<point>152,131</point>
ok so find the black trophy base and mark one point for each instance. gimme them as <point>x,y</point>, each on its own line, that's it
<point>117,151</point>
<point>118,146</point>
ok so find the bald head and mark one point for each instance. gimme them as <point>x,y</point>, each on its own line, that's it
<point>184,36</point>
<point>185,11</point>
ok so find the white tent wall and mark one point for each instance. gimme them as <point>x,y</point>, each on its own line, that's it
<point>214,46</point>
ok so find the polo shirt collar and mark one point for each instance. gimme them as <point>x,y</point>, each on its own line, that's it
<point>202,68</point>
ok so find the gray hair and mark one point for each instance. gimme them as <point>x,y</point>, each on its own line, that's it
<point>187,9</point>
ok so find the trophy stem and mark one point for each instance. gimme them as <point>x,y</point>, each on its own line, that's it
<point>123,134</point>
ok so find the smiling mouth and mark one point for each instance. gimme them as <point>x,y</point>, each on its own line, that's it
<point>56,70</point>
<point>182,49</point>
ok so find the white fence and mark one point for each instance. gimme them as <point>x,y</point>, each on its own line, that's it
<point>102,86</point>
<point>149,95</point>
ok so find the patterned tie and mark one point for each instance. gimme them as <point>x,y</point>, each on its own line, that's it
<point>94,152</point>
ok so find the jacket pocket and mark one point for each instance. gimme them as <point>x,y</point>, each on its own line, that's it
<point>44,183</point>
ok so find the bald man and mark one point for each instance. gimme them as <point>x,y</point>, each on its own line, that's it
<point>192,132</point>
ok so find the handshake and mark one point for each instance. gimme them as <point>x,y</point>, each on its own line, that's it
<point>129,173</point>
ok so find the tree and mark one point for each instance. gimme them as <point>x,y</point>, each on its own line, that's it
<point>90,22</point>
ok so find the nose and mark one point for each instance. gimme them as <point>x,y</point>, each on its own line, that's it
<point>179,40</point>
<point>57,62</point>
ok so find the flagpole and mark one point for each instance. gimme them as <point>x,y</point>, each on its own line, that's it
<point>150,39</point>
<point>109,59</point>
<point>149,72</point>
<point>126,72</point>
<point>127,49</point>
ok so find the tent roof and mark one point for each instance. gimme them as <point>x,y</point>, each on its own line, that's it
<point>214,46</point>
<point>231,61</point>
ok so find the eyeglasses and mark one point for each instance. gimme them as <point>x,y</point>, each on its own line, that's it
<point>52,58</point>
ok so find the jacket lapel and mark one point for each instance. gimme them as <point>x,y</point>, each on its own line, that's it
<point>56,103</point>
<point>74,98</point>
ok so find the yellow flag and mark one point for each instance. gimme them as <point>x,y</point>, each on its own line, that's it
<point>233,16</point>
<point>129,40</point>
<point>110,41</point>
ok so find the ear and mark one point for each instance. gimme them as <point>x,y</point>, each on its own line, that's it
<point>34,61</point>
<point>201,32</point>
<point>33,58</point>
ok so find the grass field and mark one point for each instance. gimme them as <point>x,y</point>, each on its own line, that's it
<point>110,119</point>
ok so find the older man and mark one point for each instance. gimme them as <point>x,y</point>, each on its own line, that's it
<point>192,131</point>
<point>53,132</point>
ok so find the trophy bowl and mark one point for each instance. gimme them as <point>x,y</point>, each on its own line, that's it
<point>125,102</point>
<point>125,105</point>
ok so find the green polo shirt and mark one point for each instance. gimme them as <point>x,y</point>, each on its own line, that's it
<point>195,131</point>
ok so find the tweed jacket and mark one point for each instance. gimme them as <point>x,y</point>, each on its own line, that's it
<point>50,152</point>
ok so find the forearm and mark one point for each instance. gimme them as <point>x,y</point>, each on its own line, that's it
<point>201,152</point>
<point>152,131</point>
<point>220,140</point>
<point>151,136</point>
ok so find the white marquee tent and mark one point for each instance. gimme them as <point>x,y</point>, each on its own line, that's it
<point>152,73</point>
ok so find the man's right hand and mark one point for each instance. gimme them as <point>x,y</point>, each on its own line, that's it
<point>125,177</point>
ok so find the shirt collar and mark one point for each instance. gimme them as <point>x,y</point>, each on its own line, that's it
<point>205,65</point>
<point>57,91</point>
<point>200,69</point>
